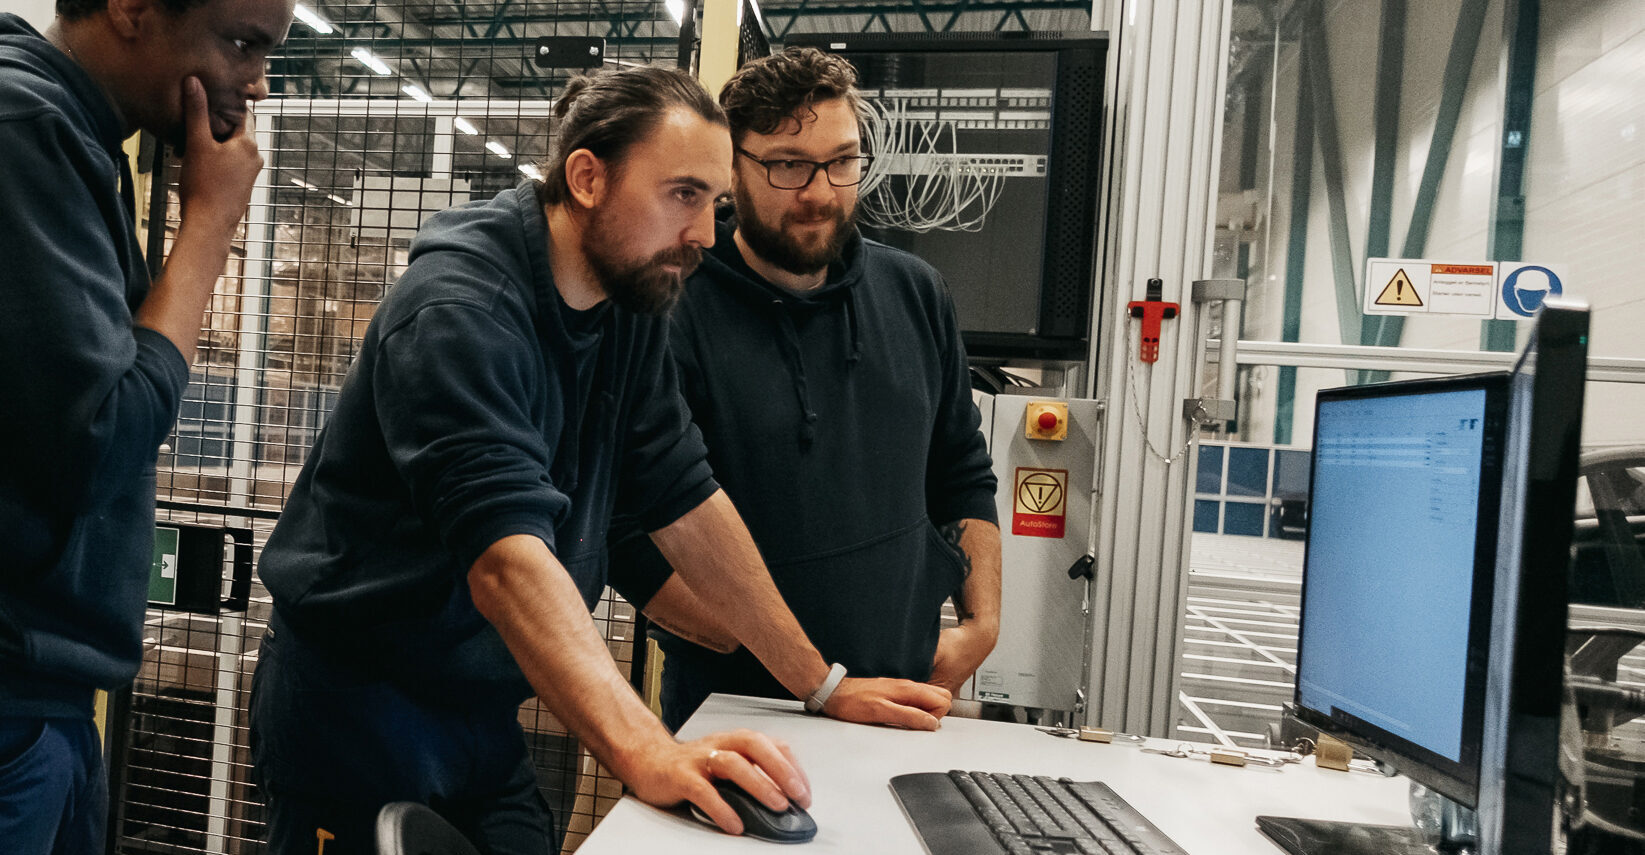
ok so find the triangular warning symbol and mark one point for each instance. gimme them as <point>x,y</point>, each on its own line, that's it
<point>1400,292</point>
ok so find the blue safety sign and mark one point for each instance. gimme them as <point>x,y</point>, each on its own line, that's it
<point>1525,287</point>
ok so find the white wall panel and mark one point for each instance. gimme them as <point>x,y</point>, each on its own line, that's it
<point>1585,179</point>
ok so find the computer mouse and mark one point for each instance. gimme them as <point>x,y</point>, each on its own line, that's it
<point>760,822</point>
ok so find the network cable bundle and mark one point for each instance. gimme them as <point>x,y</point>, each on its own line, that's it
<point>921,179</point>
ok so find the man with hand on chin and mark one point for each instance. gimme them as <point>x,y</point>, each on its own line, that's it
<point>94,356</point>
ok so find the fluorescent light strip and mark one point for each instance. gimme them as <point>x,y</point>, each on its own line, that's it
<point>338,199</point>
<point>314,22</point>
<point>303,184</point>
<point>531,172</point>
<point>417,92</point>
<point>497,148</point>
<point>370,60</point>
<point>463,125</point>
<point>676,10</point>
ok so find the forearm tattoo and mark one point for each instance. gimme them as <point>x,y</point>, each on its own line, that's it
<point>700,639</point>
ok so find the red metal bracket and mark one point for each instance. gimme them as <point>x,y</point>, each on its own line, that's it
<point>1152,311</point>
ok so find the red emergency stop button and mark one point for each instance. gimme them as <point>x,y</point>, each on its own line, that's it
<point>1046,420</point>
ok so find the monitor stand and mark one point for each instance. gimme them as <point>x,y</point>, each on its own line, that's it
<point>1318,837</point>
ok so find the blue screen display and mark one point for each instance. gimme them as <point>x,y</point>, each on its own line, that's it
<point>1389,576</point>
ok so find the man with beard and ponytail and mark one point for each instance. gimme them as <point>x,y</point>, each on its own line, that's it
<point>828,378</point>
<point>439,554</point>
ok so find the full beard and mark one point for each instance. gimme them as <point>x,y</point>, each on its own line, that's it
<point>645,287</point>
<point>776,246</point>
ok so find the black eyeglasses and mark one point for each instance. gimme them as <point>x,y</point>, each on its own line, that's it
<point>797,174</point>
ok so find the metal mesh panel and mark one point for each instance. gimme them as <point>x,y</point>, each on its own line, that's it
<point>381,115</point>
<point>185,786</point>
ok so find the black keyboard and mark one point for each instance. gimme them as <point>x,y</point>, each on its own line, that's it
<point>981,813</point>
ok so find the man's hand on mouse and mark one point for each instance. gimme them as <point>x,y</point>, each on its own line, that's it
<point>686,772</point>
<point>880,700</point>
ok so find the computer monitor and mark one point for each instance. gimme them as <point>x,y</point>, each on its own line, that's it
<point>1398,572</point>
<point>1519,767</point>
<point>1433,596</point>
<point>987,149</point>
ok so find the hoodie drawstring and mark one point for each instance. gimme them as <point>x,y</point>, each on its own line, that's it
<point>853,329</point>
<point>790,338</point>
<point>796,365</point>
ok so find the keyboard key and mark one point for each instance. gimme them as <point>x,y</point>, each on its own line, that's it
<point>1016,845</point>
<point>980,802</point>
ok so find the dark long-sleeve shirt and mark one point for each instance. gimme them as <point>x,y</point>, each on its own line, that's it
<point>480,407</point>
<point>85,397</point>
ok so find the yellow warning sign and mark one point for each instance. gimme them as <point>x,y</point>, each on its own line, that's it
<point>1399,292</point>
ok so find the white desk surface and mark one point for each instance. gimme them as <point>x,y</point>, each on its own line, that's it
<point>1206,809</point>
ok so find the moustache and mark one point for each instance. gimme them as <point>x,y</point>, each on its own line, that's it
<point>684,257</point>
<point>811,213</point>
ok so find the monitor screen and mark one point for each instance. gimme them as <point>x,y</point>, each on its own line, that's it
<point>1397,572</point>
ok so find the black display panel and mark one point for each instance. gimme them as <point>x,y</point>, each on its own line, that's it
<point>987,166</point>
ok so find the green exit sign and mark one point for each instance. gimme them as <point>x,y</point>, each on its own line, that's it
<point>163,573</point>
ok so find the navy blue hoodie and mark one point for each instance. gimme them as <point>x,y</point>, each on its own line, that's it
<point>85,397</point>
<point>840,423</point>
<point>480,406</point>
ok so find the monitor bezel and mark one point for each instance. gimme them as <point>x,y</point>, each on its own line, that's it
<point>1519,794</point>
<point>1459,779</point>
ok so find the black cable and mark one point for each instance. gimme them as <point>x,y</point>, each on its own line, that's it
<point>1594,692</point>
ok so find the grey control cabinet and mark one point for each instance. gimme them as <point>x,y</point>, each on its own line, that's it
<point>1045,505</point>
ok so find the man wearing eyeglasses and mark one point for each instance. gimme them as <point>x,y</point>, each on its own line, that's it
<point>828,377</point>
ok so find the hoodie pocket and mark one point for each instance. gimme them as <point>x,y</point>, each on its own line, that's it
<point>875,606</point>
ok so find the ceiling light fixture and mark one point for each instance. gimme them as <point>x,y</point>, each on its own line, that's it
<point>315,22</point>
<point>370,60</point>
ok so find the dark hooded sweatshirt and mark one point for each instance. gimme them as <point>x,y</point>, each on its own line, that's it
<point>85,397</point>
<point>480,407</point>
<point>840,423</point>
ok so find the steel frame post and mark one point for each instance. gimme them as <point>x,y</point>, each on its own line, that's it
<point>1296,252</point>
<point>1167,72</point>
<point>1316,56</point>
<point>1385,120</point>
<point>1521,22</point>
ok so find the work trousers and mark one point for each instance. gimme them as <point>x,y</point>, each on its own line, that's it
<point>54,792</point>
<point>332,743</point>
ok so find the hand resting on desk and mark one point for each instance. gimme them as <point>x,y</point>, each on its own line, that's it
<point>686,772</point>
<point>881,700</point>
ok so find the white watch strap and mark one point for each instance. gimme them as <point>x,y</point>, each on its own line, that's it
<point>819,697</point>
